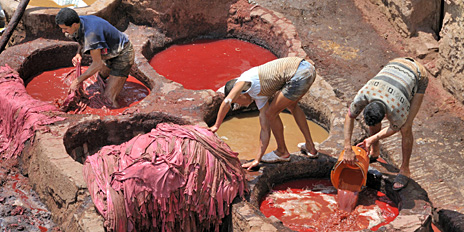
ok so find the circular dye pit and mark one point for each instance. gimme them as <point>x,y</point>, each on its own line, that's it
<point>52,86</point>
<point>241,133</point>
<point>209,64</point>
<point>311,205</point>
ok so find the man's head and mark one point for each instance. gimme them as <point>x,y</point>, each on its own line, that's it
<point>229,85</point>
<point>374,113</point>
<point>68,20</point>
<point>241,100</point>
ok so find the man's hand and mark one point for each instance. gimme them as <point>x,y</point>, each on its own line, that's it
<point>366,144</point>
<point>76,59</point>
<point>74,86</point>
<point>213,129</point>
<point>349,157</point>
<point>250,165</point>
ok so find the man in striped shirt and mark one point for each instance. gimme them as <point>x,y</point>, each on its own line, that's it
<point>396,93</point>
<point>287,79</point>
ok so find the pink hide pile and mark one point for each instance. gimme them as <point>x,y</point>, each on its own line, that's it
<point>175,178</point>
<point>20,114</point>
<point>72,102</point>
<point>89,94</point>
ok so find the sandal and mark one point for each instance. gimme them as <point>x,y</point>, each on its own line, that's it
<point>272,157</point>
<point>400,179</point>
<point>302,147</point>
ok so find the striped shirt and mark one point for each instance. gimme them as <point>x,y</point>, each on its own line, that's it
<point>395,85</point>
<point>274,74</point>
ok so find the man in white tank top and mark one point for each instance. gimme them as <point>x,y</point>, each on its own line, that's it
<point>287,79</point>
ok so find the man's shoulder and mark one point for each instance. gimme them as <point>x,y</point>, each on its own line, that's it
<point>92,19</point>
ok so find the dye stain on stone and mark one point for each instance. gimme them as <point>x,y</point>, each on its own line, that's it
<point>209,64</point>
<point>311,205</point>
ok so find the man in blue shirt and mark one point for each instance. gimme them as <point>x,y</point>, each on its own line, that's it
<point>111,51</point>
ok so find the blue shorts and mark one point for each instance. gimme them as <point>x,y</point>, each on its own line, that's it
<point>299,84</point>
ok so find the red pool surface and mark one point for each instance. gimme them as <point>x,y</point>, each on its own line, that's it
<point>52,86</point>
<point>209,64</point>
<point>311,205</point>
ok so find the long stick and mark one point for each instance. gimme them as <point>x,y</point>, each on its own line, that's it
<point>13,23</point>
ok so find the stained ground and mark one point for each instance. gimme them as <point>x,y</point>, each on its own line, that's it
<point>350,41</point>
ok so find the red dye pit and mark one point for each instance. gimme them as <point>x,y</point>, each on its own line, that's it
<point>209,64</point>
<point>311,205</point>
<point>51,86</point>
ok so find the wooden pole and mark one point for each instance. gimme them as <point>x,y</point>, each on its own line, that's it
<point>18,14</point>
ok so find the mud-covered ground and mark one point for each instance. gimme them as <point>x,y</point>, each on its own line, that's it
<point>350,41</point>
<point>20,208</point>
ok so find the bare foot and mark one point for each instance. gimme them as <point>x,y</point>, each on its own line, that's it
<point>251,164</point>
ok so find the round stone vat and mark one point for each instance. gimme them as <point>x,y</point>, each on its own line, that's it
<point>53,162</point>
<point>88,137</point>
<point>56,57</point>
<point>241,132</point>
<point>413,204</point>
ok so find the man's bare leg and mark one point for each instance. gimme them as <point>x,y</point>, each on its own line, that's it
<point>375,148</point>
<point>277,105</point>
<point>407,139</point>
<point>302,123</point>
<point>104,72</point>
<point>114,85</point>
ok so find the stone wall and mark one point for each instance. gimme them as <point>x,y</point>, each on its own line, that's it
<point>411,16</point>
<point>451,49</point>
<point>442,18</point>
<point>178,18</point>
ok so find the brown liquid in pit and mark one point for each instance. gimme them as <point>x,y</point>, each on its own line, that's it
<point>241,133</point>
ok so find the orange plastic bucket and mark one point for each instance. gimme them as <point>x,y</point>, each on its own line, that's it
<point>348,177</point>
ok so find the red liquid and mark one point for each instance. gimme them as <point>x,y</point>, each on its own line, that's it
<point>209,64</point>
<point>311,205</point>
<point>351,181</point>
<point>347,200</point>
<point>53,85</point>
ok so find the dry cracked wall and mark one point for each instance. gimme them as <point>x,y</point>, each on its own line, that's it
<point>411,16</point>
<point>451,48</point>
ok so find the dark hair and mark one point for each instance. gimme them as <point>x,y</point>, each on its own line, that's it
<point>229,85</point>
<point>67,16</point>
<point>374,113</point>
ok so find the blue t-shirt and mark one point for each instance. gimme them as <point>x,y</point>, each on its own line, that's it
<point>97,33</point>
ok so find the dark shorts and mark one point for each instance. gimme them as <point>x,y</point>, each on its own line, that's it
<point>300,82</point>
<point>121,65</point>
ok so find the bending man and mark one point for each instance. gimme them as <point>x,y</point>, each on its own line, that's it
<point>111,51</point>
<point>396,92</point>
<point>287,79</point>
